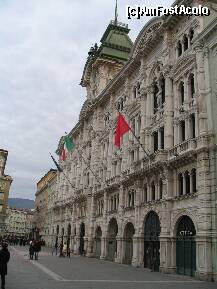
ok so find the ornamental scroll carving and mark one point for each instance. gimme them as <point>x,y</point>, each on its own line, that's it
<point>147,37</point>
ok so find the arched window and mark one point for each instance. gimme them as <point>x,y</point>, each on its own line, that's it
<point>129,199</point>
<point>192,122</point>
<point>115,203</point>
<point>160,189</point>
<point>180,178</point>
<point>133,198</point>
<point>191,35</point>
<point>185,42</point>
<point>112,204</point>
<point>145,194</point>
<point>155,140</point>
<point>182,130</point>
<point>152,191</point>
<point>134,92</point>
<point>194,180</point>
<point>88,179</point>
<point>187,183</point>
<point>192,85</point>
<point>163,90</point>
<point>138,126</point>
<point>181,93</point>
<point>179,48</point>
<point>156,90</point>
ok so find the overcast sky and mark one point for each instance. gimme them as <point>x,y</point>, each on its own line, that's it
<point>43,49</point>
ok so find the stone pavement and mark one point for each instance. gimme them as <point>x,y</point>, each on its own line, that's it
<point>51,272</point>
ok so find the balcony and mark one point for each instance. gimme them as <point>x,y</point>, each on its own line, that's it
<point>186,146</point>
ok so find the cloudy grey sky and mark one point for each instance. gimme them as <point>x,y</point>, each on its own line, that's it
<point>43,49</point>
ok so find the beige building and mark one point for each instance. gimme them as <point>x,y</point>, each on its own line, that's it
<point>154,205</point>
<point>41,203</point>
<point>5,184</point>
<point>18,222</point>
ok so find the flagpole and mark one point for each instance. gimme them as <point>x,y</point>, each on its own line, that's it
<point>96,177</point>
<point>61,171</point>
<point>137,139</point>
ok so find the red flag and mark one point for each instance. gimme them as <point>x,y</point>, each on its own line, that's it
<point>121,128</point>
<point>63,155</point>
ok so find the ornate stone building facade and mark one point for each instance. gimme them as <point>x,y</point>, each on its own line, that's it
<point>153,205</point>
<point>41,205</point>
<point>18,222</point>
<point>5,184</point>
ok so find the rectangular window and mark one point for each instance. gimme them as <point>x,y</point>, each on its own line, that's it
<point>193,125</point>
<point>182,130</point>
<point>162,137</point>
<point>145,196</point>
<point>1,196</point>
<point>132,156</point>
<point>155,137</point>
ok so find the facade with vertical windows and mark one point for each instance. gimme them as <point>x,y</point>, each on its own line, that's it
<point>151,205</point>
<point>5,184</point>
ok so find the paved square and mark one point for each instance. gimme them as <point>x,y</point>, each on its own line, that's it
<point>52,272</point>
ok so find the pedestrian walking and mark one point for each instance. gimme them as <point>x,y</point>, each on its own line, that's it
<point>68,251</point>
<point>37,249</point>
<point>4,258</point>
<point>61,250</point>
<point>31,250</point>
<point>64,250</point>
<point>55,248</point>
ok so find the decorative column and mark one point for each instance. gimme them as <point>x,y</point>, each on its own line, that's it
<point>201,85</point>
<point>119,253</point>
<point>90,233</point>
<point>103,248</point>
<point>149,104</point>
<point>168,111</point>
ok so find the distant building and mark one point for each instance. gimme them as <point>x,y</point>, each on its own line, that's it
<point>5,184</point>
<point>18,222</point>
<point>41,202</point>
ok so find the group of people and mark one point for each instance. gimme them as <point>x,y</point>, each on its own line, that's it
<point>34,249</point>
<point>64,249</point>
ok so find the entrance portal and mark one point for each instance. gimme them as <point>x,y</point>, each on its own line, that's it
<point>97,242</point>
<point>128,241</point>
<point>186,247</point>
<point>112,243</point>
<point>82,234</point>
<point>151,242</point>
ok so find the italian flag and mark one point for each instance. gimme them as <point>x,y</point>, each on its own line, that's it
<point>68,146</point>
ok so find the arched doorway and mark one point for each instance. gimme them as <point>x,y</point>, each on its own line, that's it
<point>112,243</point>
<point>97,242</point>
<point>128,241</point>
<point>186,247</point>
<point>82,234</point>
<point>151,242</point>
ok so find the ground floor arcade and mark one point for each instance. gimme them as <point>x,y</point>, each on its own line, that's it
<point>179,248</point>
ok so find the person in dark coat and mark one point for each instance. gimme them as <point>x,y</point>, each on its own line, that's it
<point>37,249</point>
<point>4,258</point>
<point>31,250</point>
